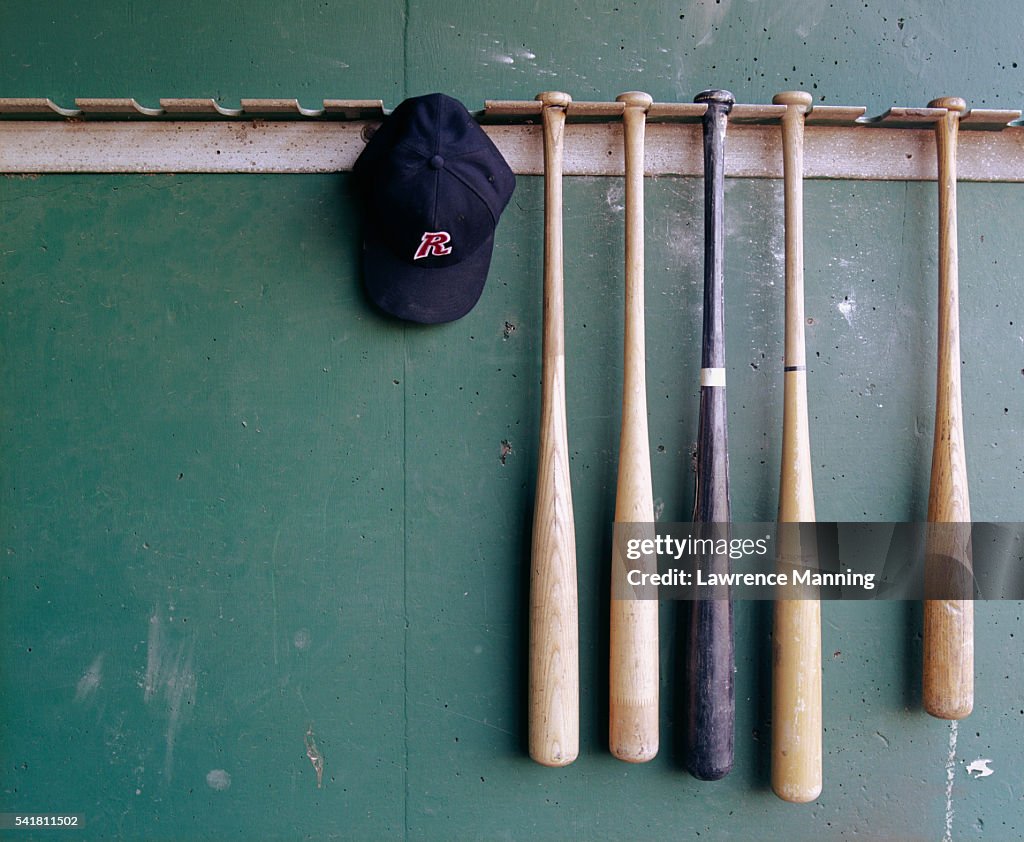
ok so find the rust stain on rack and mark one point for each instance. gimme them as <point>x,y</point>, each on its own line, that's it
<point>282,136</point>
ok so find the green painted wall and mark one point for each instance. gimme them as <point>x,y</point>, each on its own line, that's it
<point>241,513</point>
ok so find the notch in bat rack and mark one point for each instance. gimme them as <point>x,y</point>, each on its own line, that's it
<point>281,136</point>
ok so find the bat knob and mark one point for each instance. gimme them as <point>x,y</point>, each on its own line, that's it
<point>718,97</point>
<point>635,99</point>
<point>793,98</point>
<point>950,103</point>
<point>554,98</point>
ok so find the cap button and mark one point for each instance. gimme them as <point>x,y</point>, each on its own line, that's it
<point>437,162</point>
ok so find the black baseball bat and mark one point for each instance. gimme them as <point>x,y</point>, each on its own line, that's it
<point>709,746</point>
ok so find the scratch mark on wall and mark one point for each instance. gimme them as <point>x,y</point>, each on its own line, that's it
<point>472,719</point>
<point>923,40</point>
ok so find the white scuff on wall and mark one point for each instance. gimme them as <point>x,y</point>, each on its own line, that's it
<point>615,197</point>
<point>495,51</point>
<point>89,683</point>
<point>170,679</point>
<point>709,17</point>
<point>950,774</point>
<point>980,768</point>
<point>218,779</point>
<point>847,308</point>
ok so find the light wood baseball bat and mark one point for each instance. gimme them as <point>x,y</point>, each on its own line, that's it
<point>796,636</point>
<point>948,676</point>
<point>633,649</point>
<point>710,692</point>
<point>554,719</point>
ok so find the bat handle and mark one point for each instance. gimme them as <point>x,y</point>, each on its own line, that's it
<point>796,635</point>
<point>554,634</point>
<point>710,728</point>
<point>948,675</point>
<point>633,639</point>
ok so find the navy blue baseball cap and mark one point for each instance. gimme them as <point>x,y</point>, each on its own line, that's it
<point>433,186</point>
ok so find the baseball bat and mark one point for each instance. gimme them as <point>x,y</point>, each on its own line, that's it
<point>796,635</point>
<point>948,676</point>
<point>633,641</point>
<point>709,656</point>
<point>554,635</point>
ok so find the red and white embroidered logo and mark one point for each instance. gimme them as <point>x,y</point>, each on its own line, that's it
<point>434,244</point>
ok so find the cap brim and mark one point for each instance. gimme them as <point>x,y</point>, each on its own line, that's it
<point>421,294</point>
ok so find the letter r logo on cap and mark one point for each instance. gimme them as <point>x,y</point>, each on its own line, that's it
<point>434,244</point>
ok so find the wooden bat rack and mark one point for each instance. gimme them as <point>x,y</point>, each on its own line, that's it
<point>280,136</point>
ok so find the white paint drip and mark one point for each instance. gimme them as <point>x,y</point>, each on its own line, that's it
<point>981,767</point>
<point>950,772</point>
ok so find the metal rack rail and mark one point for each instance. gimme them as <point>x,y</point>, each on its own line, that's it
<point>281,136</point>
